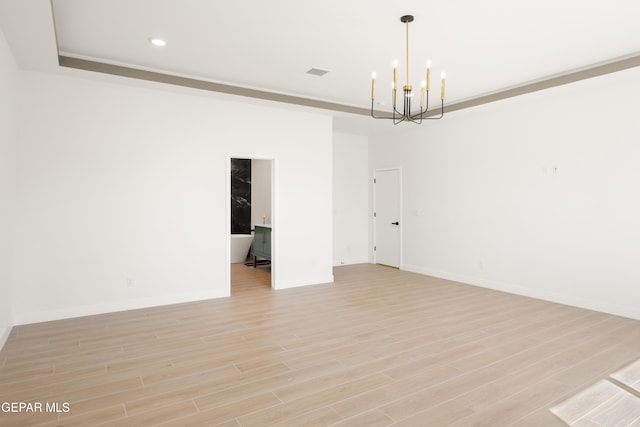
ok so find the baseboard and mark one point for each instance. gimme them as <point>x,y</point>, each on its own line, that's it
<point>338,263</point>
<point>90,310</point>
<point>94,309</point>
<point>288,284</point>
<point>572,300</point>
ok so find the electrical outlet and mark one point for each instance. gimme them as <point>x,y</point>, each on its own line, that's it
<point>129,282</point>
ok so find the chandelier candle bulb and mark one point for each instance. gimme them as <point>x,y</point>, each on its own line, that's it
<point>442,88</point>
<point>422,90</point>
<point>395,75</point>
<point>428,76</point>
<point>373,85</point>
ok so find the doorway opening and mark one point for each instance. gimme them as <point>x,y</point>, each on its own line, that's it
<point>250,195</point>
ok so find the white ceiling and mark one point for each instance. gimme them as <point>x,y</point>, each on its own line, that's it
<point>484,46</point>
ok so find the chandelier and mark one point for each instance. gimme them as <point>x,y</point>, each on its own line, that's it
<point>407,114</point>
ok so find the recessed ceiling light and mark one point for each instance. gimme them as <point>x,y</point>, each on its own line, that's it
<point>157,42</point>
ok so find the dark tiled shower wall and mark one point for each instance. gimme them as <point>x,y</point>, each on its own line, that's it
<point>240,196</point>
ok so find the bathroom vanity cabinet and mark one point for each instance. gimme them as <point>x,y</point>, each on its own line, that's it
<point>262,243</point>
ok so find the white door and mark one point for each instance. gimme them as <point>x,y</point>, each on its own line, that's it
<point>387,217</point>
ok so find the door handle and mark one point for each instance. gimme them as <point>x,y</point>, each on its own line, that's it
<point>395,223</point>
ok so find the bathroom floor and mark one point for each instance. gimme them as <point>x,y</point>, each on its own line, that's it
<point>248,279</point>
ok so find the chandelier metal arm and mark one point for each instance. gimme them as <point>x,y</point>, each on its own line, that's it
<point>399,117</point>
<point>420,114</point>
<point>406,114</point>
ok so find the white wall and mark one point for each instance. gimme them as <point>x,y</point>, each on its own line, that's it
<point>121,199</point>
<point>350,199</point>
<point>494,213</point>
<point>8,83</point>
<point>260,191</point>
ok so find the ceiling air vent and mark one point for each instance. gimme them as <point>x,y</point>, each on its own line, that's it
<point>317,72</point>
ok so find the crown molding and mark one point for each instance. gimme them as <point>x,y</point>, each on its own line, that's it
<point>596,70</point>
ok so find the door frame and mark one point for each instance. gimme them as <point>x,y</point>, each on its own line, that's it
<point>274,216</point>
<point>375,196</point>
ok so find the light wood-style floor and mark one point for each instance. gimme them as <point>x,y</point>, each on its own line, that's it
<point>378,347</point>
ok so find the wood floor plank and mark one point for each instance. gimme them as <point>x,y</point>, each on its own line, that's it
<point>378,347</point>
<point>230,411</point>
<point>236,392</point>
<point>22,419</point>
<point>159,415</point>
<point>103,415</point>
<point>312,402</point>
<point>444,414</point>
<point>318,418</point>
<point>506,411</point>
<point>434,394</point>
<point>373,418</point>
